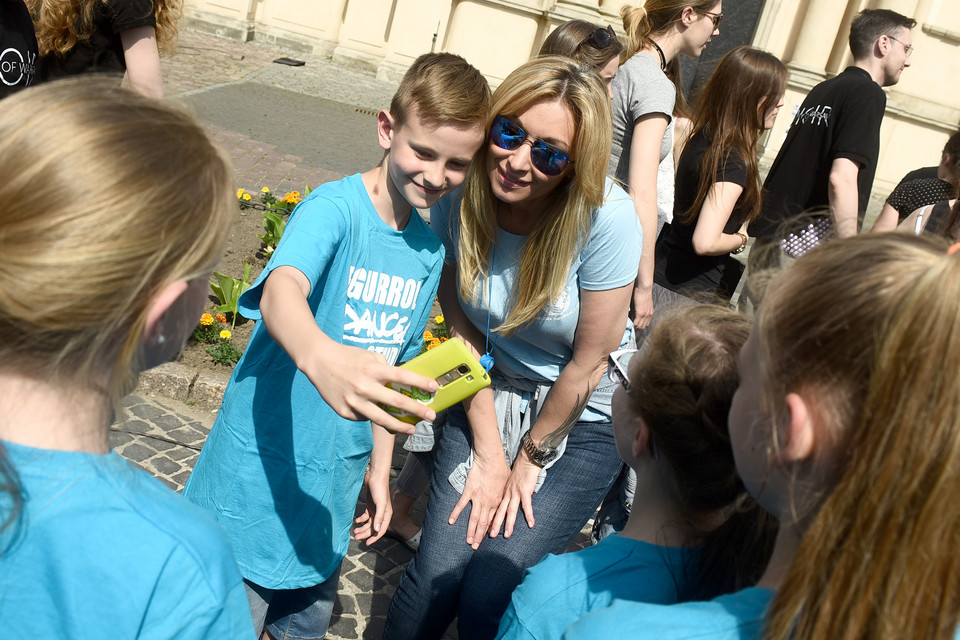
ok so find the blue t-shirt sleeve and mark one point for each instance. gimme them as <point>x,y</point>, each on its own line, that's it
<point>512,628</point>
<point>309,242</point>
<point>612,253</point>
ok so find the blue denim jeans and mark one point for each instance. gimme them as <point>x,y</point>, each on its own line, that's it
<point>448,578</point>
<point>293,614</point>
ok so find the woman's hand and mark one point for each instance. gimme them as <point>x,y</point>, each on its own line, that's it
<point>484,492</point>
<point>641,309</point>
<point>517,493</point>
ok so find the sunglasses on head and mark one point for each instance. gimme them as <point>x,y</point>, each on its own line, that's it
<point>601,38</point>
<point>547,159</point>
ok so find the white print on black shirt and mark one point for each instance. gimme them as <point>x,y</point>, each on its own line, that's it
<point>13,67</point>
<point>376,329</point>
<point>818,115</point>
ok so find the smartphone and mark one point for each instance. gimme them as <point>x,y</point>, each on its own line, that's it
<point>456,371</point>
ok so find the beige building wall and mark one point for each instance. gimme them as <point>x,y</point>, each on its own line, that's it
<point>497,35</point>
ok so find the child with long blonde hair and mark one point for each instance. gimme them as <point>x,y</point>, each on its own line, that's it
<point>846,427</point>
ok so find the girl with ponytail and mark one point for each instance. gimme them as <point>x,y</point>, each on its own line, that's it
<point>645,91</point>
<point>696,533</point>
<point>846,427</point>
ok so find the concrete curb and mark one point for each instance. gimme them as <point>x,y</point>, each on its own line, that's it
<point>176,381</point>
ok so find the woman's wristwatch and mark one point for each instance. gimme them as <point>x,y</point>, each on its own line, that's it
<point>743,244</point>
<point>540,456</point>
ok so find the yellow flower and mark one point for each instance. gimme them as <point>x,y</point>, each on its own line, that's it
<point>265,190</point>
<point>226,335</point>
<point>240,193</point>
<point>427,335</point>
<point>295,194</point>
<point>438,319</point>
<point>206,319</point>
<point>246,197</point>
<point>220,317</point>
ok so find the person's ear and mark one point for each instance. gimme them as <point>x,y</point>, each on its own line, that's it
<point>161,303</point>
<point>801,433</point>
<point>386,127</point>
<point>687,16</point>
<point>641,439</point>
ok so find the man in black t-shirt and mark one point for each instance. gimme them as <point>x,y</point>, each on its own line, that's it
<point>18,47</point>
<point>829,156</point>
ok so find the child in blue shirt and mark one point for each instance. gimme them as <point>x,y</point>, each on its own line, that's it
<point>102,279</point>
<point>690,536</point>
<point>345,296</point>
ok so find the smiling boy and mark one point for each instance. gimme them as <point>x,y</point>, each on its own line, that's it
<point>344,298</point>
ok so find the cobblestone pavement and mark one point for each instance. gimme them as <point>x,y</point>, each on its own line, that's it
<point>162,435</point>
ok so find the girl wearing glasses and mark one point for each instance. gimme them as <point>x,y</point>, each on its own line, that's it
<point>718,183</point>
<point>846,427</point>
<point>644,97</point>
<point>697,533</point>
<point>541,256</point>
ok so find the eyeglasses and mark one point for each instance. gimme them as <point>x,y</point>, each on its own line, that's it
<point>547,159</point>
<point>618,363</point>
<point>601,38</point>
<point>716,17</point>
<point>907,48</point>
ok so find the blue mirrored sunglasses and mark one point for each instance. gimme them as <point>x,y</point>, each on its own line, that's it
<point>548,159</point>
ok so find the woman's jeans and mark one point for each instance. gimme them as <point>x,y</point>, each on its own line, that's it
<point>447,578</point>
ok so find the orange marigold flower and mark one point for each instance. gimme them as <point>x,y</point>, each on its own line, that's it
<point>220,317</point>
<point>427,335</point>
<point>206,319</point>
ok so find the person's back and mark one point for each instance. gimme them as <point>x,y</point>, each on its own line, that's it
<point>682,541</point>
<point>828,160</point>
<point>345,296</point>
<point>102,278</point>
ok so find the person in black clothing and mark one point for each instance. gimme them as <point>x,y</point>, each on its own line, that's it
<point>91,36</point>
<point>718,183</point>
<point>918,188</point>
<point>18,44</point>
<point>829,156</point>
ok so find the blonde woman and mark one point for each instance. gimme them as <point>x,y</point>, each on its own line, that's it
<point>541,256</point>
<point>102,276</point>
<point>94,36</point>
<point>644,97</point>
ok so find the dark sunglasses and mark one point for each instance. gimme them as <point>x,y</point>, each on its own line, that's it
<point>548,159</point>
<point>601,38</point>
<point>716,17</point>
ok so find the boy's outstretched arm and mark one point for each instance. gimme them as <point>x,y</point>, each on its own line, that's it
<point>375,519</point>
<point>351,380</point>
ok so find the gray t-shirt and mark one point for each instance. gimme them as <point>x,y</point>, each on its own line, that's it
<point>639,88</point>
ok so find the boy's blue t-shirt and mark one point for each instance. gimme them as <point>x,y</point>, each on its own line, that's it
<point>103,550</point>
<point>735,616</point>
<point>562,589</point>
<point>281,471</point>
<point>608,259</point>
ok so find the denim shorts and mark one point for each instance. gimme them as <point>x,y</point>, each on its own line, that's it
<point>293,614</point>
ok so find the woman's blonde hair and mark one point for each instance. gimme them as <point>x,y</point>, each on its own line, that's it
<point>867,327</point>
<point>108,197</point>
<point>61,24</point>
<point>565,221</point>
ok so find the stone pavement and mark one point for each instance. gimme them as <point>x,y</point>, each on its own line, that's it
<point>169,416</point>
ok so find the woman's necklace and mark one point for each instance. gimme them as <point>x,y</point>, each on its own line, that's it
<point>486,360</point>
<point>663,59</point>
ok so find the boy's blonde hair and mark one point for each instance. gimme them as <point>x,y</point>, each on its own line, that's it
<point>867,326</point>
<point>565,221</point>
<point>108,197</point>
<point>445,89</point>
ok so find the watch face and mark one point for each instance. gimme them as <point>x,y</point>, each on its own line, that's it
<point>546,456</point>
